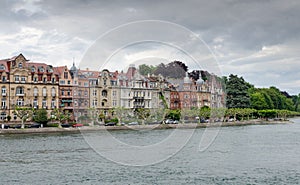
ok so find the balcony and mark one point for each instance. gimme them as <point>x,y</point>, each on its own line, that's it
<point>45,107</point>
<point>36,107</point>
<point>20,94</point>
<point>3,93</point>
<point>3,107</point>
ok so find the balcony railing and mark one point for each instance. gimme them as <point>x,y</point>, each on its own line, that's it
<point>4,94</point>
<point>20,94</point>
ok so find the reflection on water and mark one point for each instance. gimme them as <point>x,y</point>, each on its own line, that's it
<point>266,154</point>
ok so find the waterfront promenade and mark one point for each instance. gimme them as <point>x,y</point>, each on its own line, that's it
<point>139,127</point>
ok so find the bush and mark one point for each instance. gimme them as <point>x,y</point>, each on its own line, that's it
<point>52,125</point>
<point>115,120</point>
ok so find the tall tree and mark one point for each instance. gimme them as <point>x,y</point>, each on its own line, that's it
<point>237,92</point>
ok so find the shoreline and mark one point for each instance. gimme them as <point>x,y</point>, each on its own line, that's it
<point>46,130</point>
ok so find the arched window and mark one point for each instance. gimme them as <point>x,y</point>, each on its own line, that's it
<point>53,91</point>
<point>44,91</point>
<point>32,69</point>
<point>104,93</point>
<point>20,65</point>
<point>35,91</point>
<point>41,69</point>
<point>20,91</point>
<point>2,67</point>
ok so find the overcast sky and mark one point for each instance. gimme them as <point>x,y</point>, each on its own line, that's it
<point>257,39</point>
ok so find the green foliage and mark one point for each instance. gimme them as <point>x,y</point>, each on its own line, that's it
<point>270,98</point>
<point>237,92</point>
<point>144,69</point>
<point>173,114</point>
<point>41,116</point>
<point>176,69</point>
<point>115,120</point>
<point>204,112</point>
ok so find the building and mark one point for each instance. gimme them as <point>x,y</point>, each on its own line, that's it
<point>27,84</point>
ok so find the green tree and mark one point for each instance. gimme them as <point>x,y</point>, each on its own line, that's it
<point>144,69</point>
<point>258,101</point>
<point>142,114</point>
<point>60,115</point>
<point>23,113</point>
<point>41,116</point>
<point>237,92</point>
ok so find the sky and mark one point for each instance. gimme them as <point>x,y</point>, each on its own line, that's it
<point>256,39</point>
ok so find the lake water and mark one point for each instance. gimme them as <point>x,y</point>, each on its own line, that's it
<point>260,154</point>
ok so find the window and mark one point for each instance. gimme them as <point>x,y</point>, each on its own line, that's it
<point>69,82</point>
<point>35,91</point>
<point>2,67</point>
<point>44,103</point>
<point>44,91</point>
<point>3,91</point>
<point>23,78</point>
<point>94,103</point>
<point>53,91</point>
<point>114,93</point>
<point>86,84</point>
<point>17,79</point>
<point>66,75</point>
<point>45,79</point>
<point>85,93</point>
<point>3,115</point>
<point>3,103</point>
<point>69,92</point>
<point>129,103</point>
<point>20,65</point>
<point>53,103</point>
<point>35,79</point>
<point>62,92</point>
<point>94,92</point>
<point>20,91</point>
<point>104,93</point>
<point>62,82</point>
<point>114,103</point>
<point>53,80</point>
<point>35,103</point>
<point>104,82</point>
<point>3,78</point>
<point>32,69</point>
<point>20,102</point>
<point>41,69</point>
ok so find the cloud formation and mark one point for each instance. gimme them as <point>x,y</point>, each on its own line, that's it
<point>256,39</point>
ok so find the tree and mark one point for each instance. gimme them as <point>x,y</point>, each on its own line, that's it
<point>142,113</point>
<point>60,116</point>
<point>23,113</point>
<point>237,92</point>
<point>41,116</point>
<point>204,112</point>
<point>176,69</point>
<point>258,101</point>
<point>173,114</point>
<point>144,69</point>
